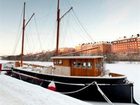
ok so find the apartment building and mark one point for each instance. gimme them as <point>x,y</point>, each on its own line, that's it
<point>96,48</point>
<point>126,45</point>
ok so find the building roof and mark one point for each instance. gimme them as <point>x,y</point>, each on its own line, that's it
<point>76,57</point>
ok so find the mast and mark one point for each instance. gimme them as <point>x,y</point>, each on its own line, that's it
<point>23,31</point>
<point>58,26</point>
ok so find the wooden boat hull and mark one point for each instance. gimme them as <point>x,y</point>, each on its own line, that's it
<point>116,89</point>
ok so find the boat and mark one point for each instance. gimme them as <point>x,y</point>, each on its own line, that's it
<point>81,77</point>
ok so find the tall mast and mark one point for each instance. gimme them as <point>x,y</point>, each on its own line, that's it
<point>58,26</point>
<point>23,31</point>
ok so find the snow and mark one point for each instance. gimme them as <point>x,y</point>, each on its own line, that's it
<point>39,63</point>
<point>17,92</point>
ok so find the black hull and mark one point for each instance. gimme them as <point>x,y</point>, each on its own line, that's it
<point>117,90</point>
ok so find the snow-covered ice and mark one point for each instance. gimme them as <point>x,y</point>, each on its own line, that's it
<point>17,92</point>
<point>132,71</point>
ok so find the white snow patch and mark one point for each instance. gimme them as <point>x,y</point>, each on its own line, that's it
<point>17,92</point>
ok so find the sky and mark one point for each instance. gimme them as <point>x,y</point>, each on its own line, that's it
<point>89,21</point>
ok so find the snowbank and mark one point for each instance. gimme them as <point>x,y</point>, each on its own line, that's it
<point>17,92</point>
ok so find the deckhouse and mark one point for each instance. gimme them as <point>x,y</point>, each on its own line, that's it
<point>78,65</point>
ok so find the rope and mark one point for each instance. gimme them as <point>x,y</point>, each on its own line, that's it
<point>66,83</point>
<point>102,93</point>
<point>98,88</point>
<point>18,36</point>
<point>78,89</point>
<point>38,35</point>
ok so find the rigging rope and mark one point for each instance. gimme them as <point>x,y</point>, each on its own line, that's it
<point>64,32</point>
<point>77,21</point>
<point>38,35</point>
<point>18,36</point>
<point>98,88</point>
<point>82,25</point>
<point>78,89</point>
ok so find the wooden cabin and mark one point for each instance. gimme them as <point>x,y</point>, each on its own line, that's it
<point>78,65</point>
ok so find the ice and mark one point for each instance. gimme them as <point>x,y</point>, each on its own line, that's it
<point>132,71</point>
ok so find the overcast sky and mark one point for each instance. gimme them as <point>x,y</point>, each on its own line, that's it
<point>90,20</point>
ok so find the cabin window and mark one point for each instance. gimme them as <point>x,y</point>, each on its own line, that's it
<point>60,62</point>
<point>74,64</point>
<point>89,65</point>
<point>78,64</point>
<point>99,65</point>
<point>56,62</point>
<point>84,64</point>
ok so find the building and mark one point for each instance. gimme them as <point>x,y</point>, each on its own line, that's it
<point>66,50</point>
<point>126,45</point>
<point>97,48</point>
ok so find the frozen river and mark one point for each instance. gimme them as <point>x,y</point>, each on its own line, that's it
<point>132,71</point>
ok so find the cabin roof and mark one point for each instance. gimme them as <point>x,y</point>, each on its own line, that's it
<point>76,57</point>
